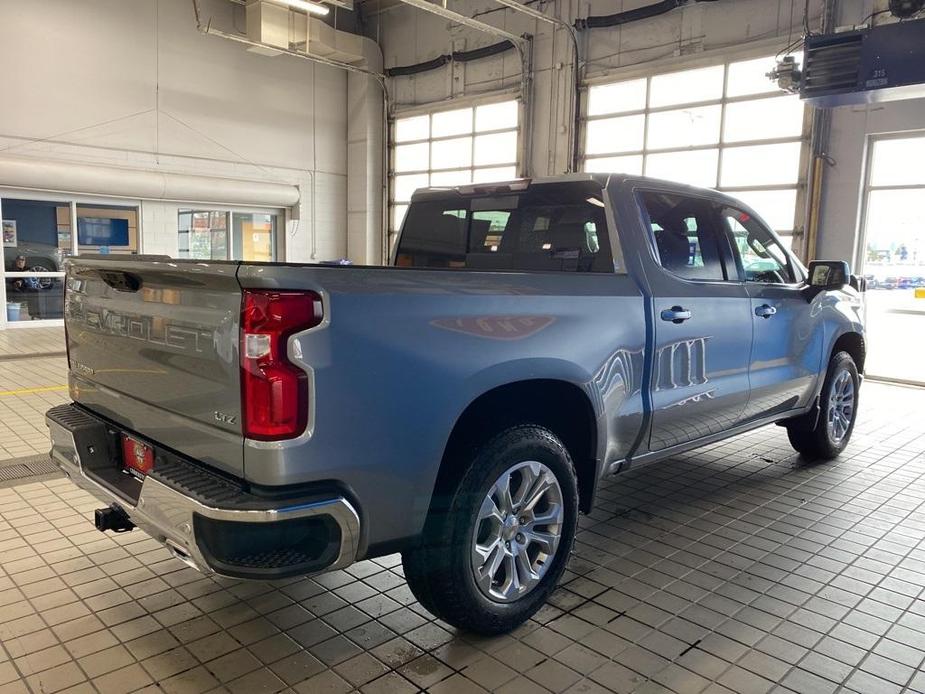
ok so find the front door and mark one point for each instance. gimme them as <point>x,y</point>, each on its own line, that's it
<point>788,342</point>
<point>703,326</point>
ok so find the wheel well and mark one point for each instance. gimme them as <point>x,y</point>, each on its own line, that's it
<point>559,406</point>
<point>853,344</point>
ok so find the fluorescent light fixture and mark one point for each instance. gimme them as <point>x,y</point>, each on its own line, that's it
<point>305,6</point>
<point>595,201</point>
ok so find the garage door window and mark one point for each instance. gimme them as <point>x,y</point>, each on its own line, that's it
<point>450,148</point>
<point>722,126</point>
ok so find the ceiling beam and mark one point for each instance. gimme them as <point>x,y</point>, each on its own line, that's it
<point>441,11</point>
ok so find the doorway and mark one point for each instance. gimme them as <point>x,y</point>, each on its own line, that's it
<point>893,258</point>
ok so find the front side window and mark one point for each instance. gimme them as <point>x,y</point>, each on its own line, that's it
<point>761,255</point>
<point>555,227</point>
<point>683,234</point>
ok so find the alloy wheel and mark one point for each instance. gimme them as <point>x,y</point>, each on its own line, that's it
<point>517,532</point>
<point>841,406</point>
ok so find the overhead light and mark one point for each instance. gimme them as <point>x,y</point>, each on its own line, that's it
<point>305,6</point>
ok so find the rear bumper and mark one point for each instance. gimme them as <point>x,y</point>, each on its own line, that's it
<point>202,518</point>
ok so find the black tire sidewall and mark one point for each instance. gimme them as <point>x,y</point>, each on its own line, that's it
<point>515,445</point>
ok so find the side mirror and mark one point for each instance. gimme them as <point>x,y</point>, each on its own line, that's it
<point>828,274</point>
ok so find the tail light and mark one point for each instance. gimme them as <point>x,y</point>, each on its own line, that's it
<point>274,391</point>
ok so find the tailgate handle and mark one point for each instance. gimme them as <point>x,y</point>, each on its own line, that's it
<point>121,281</point>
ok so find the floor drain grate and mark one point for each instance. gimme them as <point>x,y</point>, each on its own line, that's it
<point>20,470</point>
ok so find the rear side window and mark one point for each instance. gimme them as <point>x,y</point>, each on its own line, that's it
<point>684,236</point>
<point>557,227</point>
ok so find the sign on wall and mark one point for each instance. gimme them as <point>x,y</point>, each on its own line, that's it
<point>9,233</point>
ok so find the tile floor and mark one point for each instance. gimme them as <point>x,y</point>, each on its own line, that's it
<point>737,567</point>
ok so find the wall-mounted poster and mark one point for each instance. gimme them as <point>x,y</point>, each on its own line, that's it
<point>9,233</point>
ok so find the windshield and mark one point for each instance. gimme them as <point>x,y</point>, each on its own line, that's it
<point>557,227</point>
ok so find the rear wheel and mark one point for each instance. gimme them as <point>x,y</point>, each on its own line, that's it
<point>498,545</point>
<point>828,435</point>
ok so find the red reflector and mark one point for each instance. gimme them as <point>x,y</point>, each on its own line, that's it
<point>137,457</point>
<point>274,391</point>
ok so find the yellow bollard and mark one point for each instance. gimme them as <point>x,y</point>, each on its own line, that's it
<point>920,293</point>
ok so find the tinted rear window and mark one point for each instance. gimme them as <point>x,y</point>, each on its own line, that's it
<point>557,227</point>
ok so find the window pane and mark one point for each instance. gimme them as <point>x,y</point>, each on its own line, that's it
<point>684,128</point>
<point>764,119</point>
<point>895,220</point>
<point>894,163</point>
<point>761,165</point>
<point>398,215</point>
<point>623,134</point>
<point>406,185</point>
<point>106,228</point>
<point>500,148</point>
<point>207,237</point>
<point>776,207</point>
<point>451,154</point>
<point>762,257</point>
<point>686,87</point>
<point>451,178</point>
<point>496,116</point>
<point>497,173</point>
<point>685,241</point>
<point>750,77</point>
<point>617,98</point>
<point>416,128</point>
<point>412,157</point>
<point>451,122</point>
<point>36,235</point>
<point>34,297</point>
<point>629,165</point>
<point>255,236</point>
<point>696,168</point>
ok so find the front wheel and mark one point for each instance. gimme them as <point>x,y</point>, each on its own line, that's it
<point>827,436</point>
<point>495,550</point>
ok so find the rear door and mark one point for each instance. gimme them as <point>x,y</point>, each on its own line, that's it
<point>703,326</point>
<point>787,349</point>
<point>153,346</point>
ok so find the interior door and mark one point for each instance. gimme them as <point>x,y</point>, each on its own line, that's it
<point>703,326</point>
<point>788,337</point>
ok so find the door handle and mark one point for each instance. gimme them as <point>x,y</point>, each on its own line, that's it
<point>765,311</point>
<point>676,314</point>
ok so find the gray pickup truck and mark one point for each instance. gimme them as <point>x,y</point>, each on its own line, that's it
<point>268,420</point>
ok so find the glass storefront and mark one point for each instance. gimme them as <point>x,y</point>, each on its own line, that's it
<point>38,235</point>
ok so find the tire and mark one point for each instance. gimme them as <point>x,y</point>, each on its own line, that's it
<point>466,529</point>
<point>825,436</point>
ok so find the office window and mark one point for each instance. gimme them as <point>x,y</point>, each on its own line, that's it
<point>222,235</point>
<point>450,148</point>
<point>723,126</point>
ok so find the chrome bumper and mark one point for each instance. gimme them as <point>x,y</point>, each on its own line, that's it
<point>167,514</point>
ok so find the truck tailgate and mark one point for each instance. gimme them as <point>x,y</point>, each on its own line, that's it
<point>153,345</point>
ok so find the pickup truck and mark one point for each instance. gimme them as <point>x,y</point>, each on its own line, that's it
<point>270,420</point>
